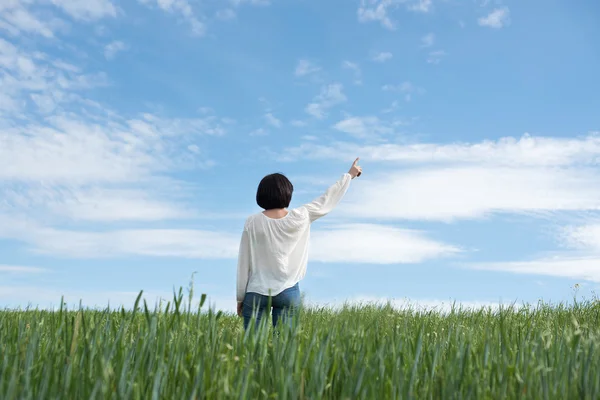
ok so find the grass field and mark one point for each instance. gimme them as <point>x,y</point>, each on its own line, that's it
<point>365,352</point>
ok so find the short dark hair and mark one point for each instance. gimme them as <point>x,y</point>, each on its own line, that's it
<point>274,191</point>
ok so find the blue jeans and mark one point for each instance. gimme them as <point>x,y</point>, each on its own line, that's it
<point>284,305</point>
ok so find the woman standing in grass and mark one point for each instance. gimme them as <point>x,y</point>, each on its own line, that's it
<point>274,247</point>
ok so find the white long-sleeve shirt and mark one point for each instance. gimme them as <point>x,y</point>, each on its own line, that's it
<point>274,252</point>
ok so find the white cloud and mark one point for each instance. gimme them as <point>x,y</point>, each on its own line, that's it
<point>526,151</point>
<point>428,40</point>
<point>36,76</point>
<point>102,204</point>
<point>586,237</point>
<point>111,49</point>
<point>376,10</point>
<point>19,269</point>
<point>185,243</point>
<point>306,67</point>
<point>226,14</point>
<point>406,87</point>
<point>298,123</point>
<point>75,150</point>
<point>355,68</point>
<point>272,120</point>
<point>473,192</point>
<point>497,19</point>
<point>183,9</point>
<point>423,6</point>
<point>580,262</point>
<point>251,2</point>
<point>74,159</point>
<point>435,57</point>
<point>375,244</point>
<point>150,200</point>
<point>466,181</point>
<point>364,127</point>
<point>259,132</point>
<point>585,268</point>
<point>330,96</point>
<point>87,10</point>
<point>379,10</point>
<point>15,19</point>
<point>382,56</point>
<point>391,108</point>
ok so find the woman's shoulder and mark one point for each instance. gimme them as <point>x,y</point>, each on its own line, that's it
<point>252,217</point>
<point>299,213</point>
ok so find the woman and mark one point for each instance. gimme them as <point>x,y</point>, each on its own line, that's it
<point>274,247</point>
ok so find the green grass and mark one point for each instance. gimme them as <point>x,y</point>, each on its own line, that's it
<point>366,352</point>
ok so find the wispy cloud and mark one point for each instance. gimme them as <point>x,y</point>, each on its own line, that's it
<point>578,260</point>
<point>306,67</point>
<point>461,181</point>
<point>65,157</point>
<point>15,18</point>
<point>379,10</point>
<point>108,205</point>
<point>525,151</point>
<point>435,57</point>
<point>497,19</point>
<point>181,8</point>
<point>376,10</point>
<point>251,2</point>
<point>375,244</point>
<point>272,120</point>
<point>298,123</point>
<point>259,132</point>
<point>423,6</point>
<point>428,40</point>
<point>355,68</point>
<point>87,10</point>
<point>564,266</point>
<point>364,127</point>
<point>330,96</point>
<point>461,192</point>
<point>406,87</point>
<point>226,14</point>
<point>111,49</point>
<point>382,56</point>
<point>186,243</point>
<point>35,76</point>
<point>77,150</point>
<point>18,269</point>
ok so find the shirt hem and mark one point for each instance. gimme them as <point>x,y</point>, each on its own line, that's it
<point>272,293</point>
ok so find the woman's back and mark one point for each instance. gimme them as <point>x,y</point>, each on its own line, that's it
<point>274,247</point>
<point>274,252</point>
<point>279,250</point>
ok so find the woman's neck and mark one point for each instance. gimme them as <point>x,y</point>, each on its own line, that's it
<point>276,213</point>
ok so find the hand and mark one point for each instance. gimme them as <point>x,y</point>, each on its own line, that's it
<point>239,308</point>
<point>355,170</point>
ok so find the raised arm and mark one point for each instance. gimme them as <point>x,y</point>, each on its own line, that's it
<point>243,269</point>
<point>325,203</point>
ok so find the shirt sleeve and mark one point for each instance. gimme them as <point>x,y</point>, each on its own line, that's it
<point>325,203</point>
<point>243,269</point>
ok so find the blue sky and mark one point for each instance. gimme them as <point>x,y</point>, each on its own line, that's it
<point>133,136</point>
